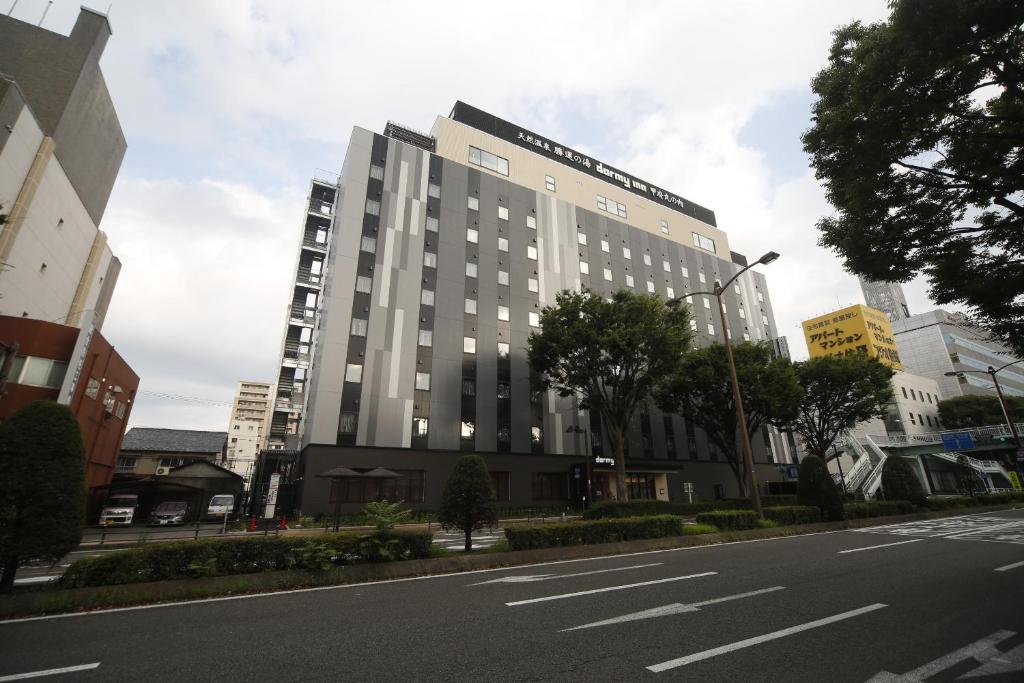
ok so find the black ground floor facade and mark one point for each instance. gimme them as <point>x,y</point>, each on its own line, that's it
<point>520,480</point>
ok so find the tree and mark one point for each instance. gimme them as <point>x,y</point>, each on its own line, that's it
<point>701,392</point>
<point>817,488</point>
<point>900,483</point>
<point>611,354</point>
<point>964,412</point>
<point>384,515</point>
<point>838,392</point>
<point>916,135</point>
<point>468,502</point>
<point>42,486</point>
<point>967,478</point>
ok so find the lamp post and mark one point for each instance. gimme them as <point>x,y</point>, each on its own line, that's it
<point>576,429</point>
<point>748,457</point>
<point>992,372</point>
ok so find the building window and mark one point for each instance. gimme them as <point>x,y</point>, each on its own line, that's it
<point>670,293</point>
<point>472,236</point>
<point>364,284</point>
<point>702,277</point>
<point>503,349</point>
<point>423,381</point>
<point>531,222</point>
<point>536,435</point>
<point>504,434</point>
<point>640,486</point>
<point>92,389</point>
<point>760,297</point>
<point>549,183</point>
<point>743,314</point>
<point>429,259</point>
<point>707,302</point>
<point>431,224</point>
<point>608,274</point>
<point>484,159</point>
<point>373,207</point>
<point>913,395</point>
<point>650,287</point>
<point>605,247</point>
<point>503,277</point>
<point>502,244</point>
<point>929,418</point>
<point>711,329</point>
<point>358,327</point>
<point>550,486</point>
<point>584,267</point>
<point>470,269</point>
<point>434,191</point>
<point>467,431</point>
<point>702,242</point>
<point>503,213</point>
<point>38,372</point>
<point>420,425</point>
<point>666,266</point>
<point>611,206</point>
<point>353,372</point>
<point>629,280</point>
<point>369,245</point>
<point>503,313</point>
<point>746,337</point>
<point>504,391</point>
<point>534,319</point>
<point>469,344</point>
<point>427,297</point>
<point>473,203</point>
<point>376,172</point>
<point>532,284</point>
<point>912,419</point>
<point>664,226</point>
<point>471,306</point>
<point>627,254</point>
<point>468,387</point>
<point>685,271</point>
<point>647,259</point>
<point>426,338</point>
<point>125,464</point>
<point>581,237</point>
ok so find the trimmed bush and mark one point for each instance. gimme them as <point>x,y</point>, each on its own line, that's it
<point>640,508</point>
<point>816,488</point>
<point>1000,498</point>
<point>597,531</point>
<point>899,482</point>
<point>878,508</point>
<point>219,557</point>
<point>729,520</point>
<point>793,514</point>
<point>779,500</point>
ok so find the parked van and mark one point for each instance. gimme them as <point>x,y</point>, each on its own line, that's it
<point>169,512</point>
<point>220,505</point>
<point>119,509</point>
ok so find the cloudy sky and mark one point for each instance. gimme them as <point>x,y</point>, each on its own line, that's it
<point>230,106</point>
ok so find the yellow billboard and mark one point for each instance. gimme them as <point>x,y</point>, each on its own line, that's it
<point>854,329</point>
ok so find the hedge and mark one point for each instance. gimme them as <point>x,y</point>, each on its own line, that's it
<point>878,508</point>
<point>223,556</point>
<point>596,531</point>
<point>729,520</point>
<point>793,514</point>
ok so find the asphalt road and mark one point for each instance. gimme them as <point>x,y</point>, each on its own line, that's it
<point>918,601</point>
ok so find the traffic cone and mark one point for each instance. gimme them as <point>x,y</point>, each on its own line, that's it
<point>252,523</point>
<point>283,526</point>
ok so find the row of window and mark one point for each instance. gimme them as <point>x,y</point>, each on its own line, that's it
<point>921,420</point>
<point>409,487</point>
<point>467,430</point>
<point>484,159</point>
<point>37,372</point>
<point>611,206</point>
<point>920,396</point>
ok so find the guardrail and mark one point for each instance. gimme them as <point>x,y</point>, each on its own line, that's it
<point>977,433</point>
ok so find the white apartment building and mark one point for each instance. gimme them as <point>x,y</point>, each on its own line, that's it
<point>249,426</point>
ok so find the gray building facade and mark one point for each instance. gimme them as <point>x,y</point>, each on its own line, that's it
<point>443,250</point>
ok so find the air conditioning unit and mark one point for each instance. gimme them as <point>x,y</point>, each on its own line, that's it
<point>161,471</point>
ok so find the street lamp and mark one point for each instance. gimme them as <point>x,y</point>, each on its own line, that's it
<point>576,429</point>
<point>748,456</point>
<point>992,372</point>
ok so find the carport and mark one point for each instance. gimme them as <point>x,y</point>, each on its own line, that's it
<point>151,492</point>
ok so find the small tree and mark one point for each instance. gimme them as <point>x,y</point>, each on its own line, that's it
<point>468,501</point>
<point>838,392</point>
<point>385,515</point>
<point>967,478</point>
<point>978,411</point>
<point>611,354</point>
<point>817,488</point>
<point>900,483</point>
<point>42,486</point>
<point>701,392</point>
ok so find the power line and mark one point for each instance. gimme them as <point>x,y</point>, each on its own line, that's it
<point>188,399</point>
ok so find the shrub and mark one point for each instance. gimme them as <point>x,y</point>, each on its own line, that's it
<point>949,503</point>
<point>900,483</point>
<point>729,520</point>
<point>793,514</point>
<point>878,508</point>
<point>220,557</point>
<point>1000,498</point>
<point>385,515</point>
<point>641,508</point>
<point>816,488</point>
<point>779,500</point>
<point>597,531</point>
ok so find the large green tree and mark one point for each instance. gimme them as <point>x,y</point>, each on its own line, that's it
<point>917,135</point>
<point>42,486</point>
<point>978,411</point>
<point>838,392</point>
<point>611,354</point>
<point>468,502</point>
<point>701,392</point>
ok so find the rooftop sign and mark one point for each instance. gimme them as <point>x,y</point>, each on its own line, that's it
<point>517,135</point>
<point>855,329</point>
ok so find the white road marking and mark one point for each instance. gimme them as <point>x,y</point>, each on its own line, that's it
<point>36,579</point>
<point>982,650</point>
<point>50,672</point>
<point>609,588</point>
<point>757,640</point>
<point>530,578</point>
<point>675,608</point>
<point>872,547</point>
<point>1010,566</point>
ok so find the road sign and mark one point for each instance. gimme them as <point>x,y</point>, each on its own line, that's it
<point>275,482</point>
<point>957,441</point>
<point>791,472</point>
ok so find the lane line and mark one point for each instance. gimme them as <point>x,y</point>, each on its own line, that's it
<point>884,545</point>
<point>530,578</point>
<point>674,608</point>
<point>607,589</point>
<point>1010,566</point>
<point>50,672</point>
<point>757,640</point>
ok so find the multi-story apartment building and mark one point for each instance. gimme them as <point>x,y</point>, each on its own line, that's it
<point>421,275</point>
<point>887,297</point>
<point>61,146</point>
<point>249,426</point>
